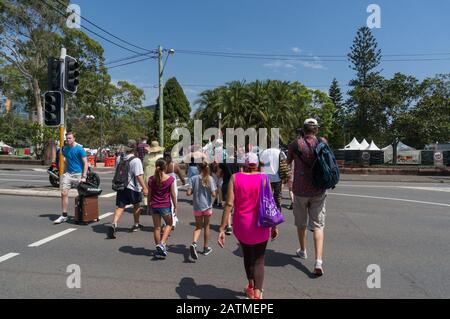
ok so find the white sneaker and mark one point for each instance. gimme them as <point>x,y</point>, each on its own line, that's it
<point>318,268</point>
<point>60,220</point>
<point>302,254</point>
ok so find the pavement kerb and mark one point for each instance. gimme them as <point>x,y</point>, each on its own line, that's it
<point>35,193</point>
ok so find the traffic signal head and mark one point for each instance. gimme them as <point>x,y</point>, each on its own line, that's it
<point>52,107</point>
<point>71,74</point>
<point>54,74</point>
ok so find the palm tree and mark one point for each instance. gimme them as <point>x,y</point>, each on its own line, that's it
<point>235,105</point>
<point>281,108</point>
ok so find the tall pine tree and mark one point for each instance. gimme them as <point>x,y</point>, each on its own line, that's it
<point>339,122</point>
<point>364,104</point>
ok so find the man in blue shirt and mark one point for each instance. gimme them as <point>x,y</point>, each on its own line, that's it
<point>76,168</point>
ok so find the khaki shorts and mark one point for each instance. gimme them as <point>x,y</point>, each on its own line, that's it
<point>70,181</point>
<point>310,212</point>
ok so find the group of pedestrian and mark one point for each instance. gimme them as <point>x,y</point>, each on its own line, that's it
<point>242,174</point>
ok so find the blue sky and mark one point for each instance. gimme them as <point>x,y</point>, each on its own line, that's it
<point>308,28</point>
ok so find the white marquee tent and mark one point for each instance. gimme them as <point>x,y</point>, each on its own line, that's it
<point>2,144</point>
<point>373,147</point>
<point>364,145</point>
<point>353,146</point>
<point>405,154</point>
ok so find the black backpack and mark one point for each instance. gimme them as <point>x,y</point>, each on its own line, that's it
<point>120,180</point>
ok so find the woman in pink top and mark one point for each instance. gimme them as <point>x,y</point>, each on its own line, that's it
<point>243,196</point>
<point>161,199</point>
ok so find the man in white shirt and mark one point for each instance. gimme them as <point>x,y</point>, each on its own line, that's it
<point>132,194</point>
<point>270,160</point>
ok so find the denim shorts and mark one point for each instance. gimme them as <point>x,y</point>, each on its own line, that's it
<point>162,211</point>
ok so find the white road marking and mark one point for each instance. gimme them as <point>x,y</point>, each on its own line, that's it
<point>20,175</point>
<point>39,170</point>
<point>46,240</point>
<point>422,188</point>
<point>22,180</point>
<point>105,216</point>
<point>433,189</point>
<point>108,195</point>
<point>393,199</point>
<point>8,256</point>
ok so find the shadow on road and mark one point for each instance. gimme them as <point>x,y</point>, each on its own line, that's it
<point>181,250</point>
<point>51,217</point>
<point>278,259</point>
<point>103,229</point>
<point>141,251</point>
<point>189,288</point>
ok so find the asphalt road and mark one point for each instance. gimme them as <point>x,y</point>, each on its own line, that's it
<point>401,227</point>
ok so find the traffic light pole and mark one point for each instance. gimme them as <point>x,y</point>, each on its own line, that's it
<point>62,126</point>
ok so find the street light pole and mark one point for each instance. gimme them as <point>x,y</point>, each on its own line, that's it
<point>161,98</point>
<point>220,125</point>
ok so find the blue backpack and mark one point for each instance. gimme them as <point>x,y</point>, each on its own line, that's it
<point>325,169</point>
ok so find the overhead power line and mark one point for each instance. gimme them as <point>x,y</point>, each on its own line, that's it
<point>292,58</point>
<point>297,55</point>
<point>63,14</point>
<point>116,66</point>
<point>109,33</point>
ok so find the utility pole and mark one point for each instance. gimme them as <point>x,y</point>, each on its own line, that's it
<point>161,97</point>
<point>220,126</point>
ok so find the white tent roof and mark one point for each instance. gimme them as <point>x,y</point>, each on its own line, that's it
<point>373,147</point>
<point>364,145</point>
<point>401,147</point>
<point>353,146</point>
<point>4,145</point>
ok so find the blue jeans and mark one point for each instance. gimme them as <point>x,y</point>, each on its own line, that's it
<point>162,211</point>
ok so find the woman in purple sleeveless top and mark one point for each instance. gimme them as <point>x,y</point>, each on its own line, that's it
<point>243,195</point>
<point>161,198</point>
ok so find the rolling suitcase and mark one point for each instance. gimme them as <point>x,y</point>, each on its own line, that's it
<point>86,210</point>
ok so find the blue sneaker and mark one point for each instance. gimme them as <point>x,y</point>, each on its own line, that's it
<point>162,250</point>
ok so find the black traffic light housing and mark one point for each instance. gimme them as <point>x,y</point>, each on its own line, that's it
<point>54,74</point>
<point>71,74</point>
<point>52,106</point>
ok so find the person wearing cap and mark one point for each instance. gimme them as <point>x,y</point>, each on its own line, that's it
<point>243,195</point>
<point>154,153</point>
<point>309,201</point>
<point>132,195</point>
